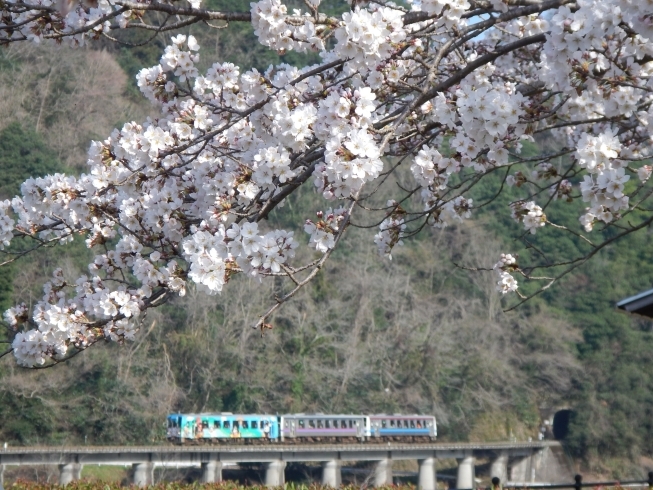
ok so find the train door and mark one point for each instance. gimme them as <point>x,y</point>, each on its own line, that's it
<point>186,428</point>
<point>376,427</point>
<point>289,427</point>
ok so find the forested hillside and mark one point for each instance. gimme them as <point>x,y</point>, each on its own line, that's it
<point>369,335</point>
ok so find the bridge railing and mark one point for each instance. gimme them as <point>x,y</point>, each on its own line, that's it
<point>577,484</point>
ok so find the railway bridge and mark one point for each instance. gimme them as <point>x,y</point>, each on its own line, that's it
<point>516,461</point>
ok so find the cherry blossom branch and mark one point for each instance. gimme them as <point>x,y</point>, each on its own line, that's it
<point>316,269</point>
<point>6,353</point>
<point>580,261</point>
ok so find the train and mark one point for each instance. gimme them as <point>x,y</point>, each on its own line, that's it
<point>298,428</point>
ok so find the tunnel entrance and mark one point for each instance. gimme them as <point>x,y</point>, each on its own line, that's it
<point>561,424</point>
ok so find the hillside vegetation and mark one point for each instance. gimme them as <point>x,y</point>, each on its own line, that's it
<point>415,334</point>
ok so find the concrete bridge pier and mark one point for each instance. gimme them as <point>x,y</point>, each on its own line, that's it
<point>499,467</point>
<point>331,475</point>
<point>212,472</point>
<point>143,474</point>
<point>69,472</point>
<point>274,473</point>
<point>466,473</point>
<point>426,479</point>
<point>383,473</point>
<point>526,469</point>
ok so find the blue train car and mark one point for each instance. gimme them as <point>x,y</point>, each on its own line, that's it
<point>416,427</point>
<point>215,427</point>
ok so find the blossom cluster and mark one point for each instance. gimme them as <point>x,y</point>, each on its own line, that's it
<point>352,156</point>
<point>528,213</point>
<point>366,37</point>
<point>506,282</point>
<point>603,185</point>
<point>323,231</point>
<point>274,29</point>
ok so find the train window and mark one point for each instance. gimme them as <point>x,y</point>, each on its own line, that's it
<point>302,424</point>
<point>320,424</point>
<point>392,423</point>
<point>311,424</point>
<point>254,424</point>
<point>236,424</point>
<point>412,424</point>
<point>216,424</point>
<point>205,424</point>
<point>343,424</point>
<point>225,424</point>
<point>327,424</point>
<point>419,424</point>
<point>384,423</point>
<point>245,425</point>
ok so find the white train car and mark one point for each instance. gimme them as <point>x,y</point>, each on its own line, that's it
<point>303,427</point>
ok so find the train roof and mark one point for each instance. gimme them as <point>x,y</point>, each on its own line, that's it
<point>330,415</point>
<point>219,414</point>
<point>401,415</point>
<point>300,414</point>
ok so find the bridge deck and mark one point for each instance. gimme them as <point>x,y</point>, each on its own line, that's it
<point>277,447</point>
<point>263,453</point>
